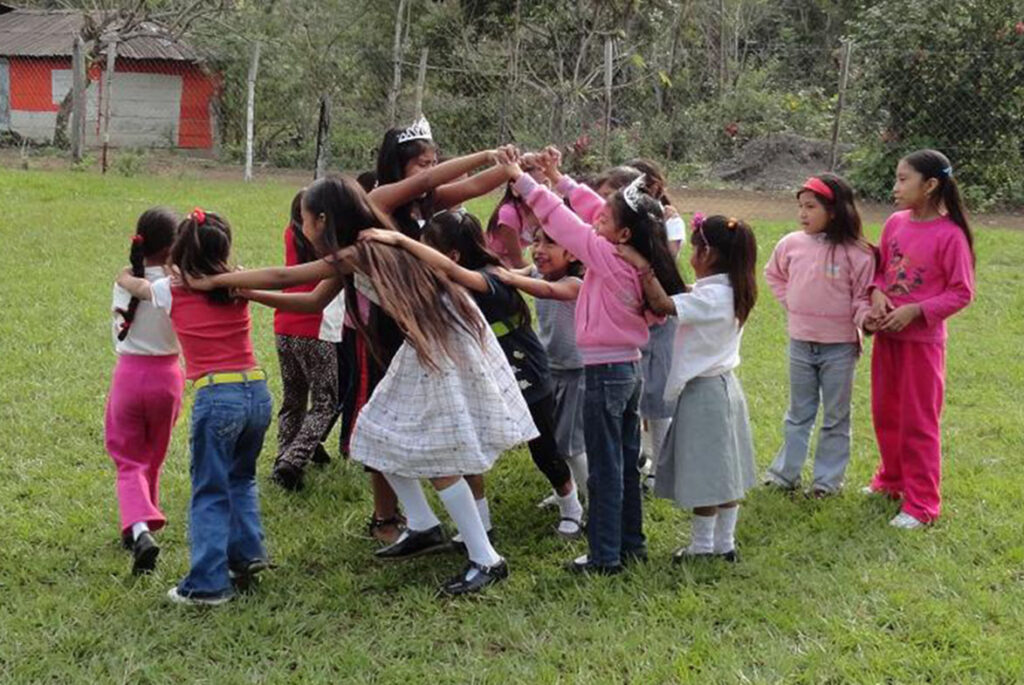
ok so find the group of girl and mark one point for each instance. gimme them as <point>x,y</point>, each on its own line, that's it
<point>397,310</point>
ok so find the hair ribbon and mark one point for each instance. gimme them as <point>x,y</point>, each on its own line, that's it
<point>137,239</point>
<point>199,216</point>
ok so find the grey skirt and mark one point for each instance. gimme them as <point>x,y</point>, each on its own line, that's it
<point>655,365</point>
<point>708,457</point>
<point>568,388</point>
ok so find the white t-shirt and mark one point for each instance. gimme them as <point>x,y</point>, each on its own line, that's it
<point>707,341</point>
<point>675,228</point>
<point>151,333</point>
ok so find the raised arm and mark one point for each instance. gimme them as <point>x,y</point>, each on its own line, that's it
<point>308,302</point>
<point>428,255</point>
<point>454,194</point>
<point>568,289</point>
<point>391,196</point>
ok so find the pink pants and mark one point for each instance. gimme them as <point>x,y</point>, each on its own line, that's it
<point>145,396</point>
<point>907,383</point>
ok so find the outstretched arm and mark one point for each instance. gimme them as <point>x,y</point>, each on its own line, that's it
<point>464,277</point>
<point>309,302</point>
<point>453,194</point>
<point>391,196</point>
<point>278,277</point>
<point>657,299</point>
<point>538,287</point>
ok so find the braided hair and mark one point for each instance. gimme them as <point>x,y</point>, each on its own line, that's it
<point>154,233</point>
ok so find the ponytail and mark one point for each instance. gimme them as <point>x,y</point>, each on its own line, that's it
<point>934,164</point>
<point>154,233</point>
<point>646,226</point>
<point>735,255</point>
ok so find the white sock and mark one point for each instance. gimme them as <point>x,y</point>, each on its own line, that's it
<point>578,468</point>
<point>458,500</point>
<point>659,431</point>
<point>418,514</point>
<point>485,512</point>
<point>725,529</point>
<point>569,507</point>
<point>138,529</point>
<point>646,440</point>
<point>702,540</point>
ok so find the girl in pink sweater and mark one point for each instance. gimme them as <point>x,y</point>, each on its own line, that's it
<point>611,327</point>
<point>926,276</point>
<point>821,275</point>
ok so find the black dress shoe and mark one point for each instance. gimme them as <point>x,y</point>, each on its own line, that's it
<point>320,456</point>
<point>684,555</point>
<point>584,565</point>
<point>144,554</point>
<point>414,543</point>
<point>127,542</point>
<point>288,476</point>
<point>464,584</point>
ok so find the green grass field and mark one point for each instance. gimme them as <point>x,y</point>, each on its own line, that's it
<point>826,592</point>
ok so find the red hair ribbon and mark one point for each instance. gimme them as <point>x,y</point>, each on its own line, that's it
<point>199,216</point>
<point>137,239</point>
<point>819,187</point>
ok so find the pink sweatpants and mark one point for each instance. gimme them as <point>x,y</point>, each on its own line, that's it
<point>907,383</point>
<point>145,396</point>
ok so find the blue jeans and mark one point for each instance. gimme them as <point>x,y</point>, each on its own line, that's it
<point>611,419</point>
<point>228,424</point>
<point>819,373</point>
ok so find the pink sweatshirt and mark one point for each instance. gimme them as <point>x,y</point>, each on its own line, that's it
<point>928,263</point>
<point>823,287</point>
<point>610,322</point>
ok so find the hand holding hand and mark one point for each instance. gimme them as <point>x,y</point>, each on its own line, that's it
<point>880,305</point>
<point>901,317</point>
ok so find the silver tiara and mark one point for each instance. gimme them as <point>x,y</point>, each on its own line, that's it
<point>418,131</point>
<point>631,193</point>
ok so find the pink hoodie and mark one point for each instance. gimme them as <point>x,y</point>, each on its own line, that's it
<point>610,322</point>
<point>823,287</point>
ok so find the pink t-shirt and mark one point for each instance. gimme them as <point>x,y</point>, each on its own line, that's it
<point>823,287</point>
<point>511,218</point>
<point>928,263</point>
<point>611,325</point>
<point>213,337</point>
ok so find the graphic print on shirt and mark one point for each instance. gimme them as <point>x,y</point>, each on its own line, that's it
<point>901,275</point>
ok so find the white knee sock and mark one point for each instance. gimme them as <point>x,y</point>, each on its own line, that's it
<point>485,512</point>
<point>138,529</point>
<point>458,500</point>
<point>702,540</point>
<point>578,468</point>
<point>659,431</point>
<point>725,529</point>
<point>419,515</point>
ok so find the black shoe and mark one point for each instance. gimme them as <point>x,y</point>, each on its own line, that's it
<point>127,541</point>
<point>144,554</point>
<point>484,576</point>
<point>288,476</point>
<point>460,546</point>
<point>320,456</point>
<point>413,544</point>
<point>585,565</point>
<point>637,556</point>
<point>684,555</point>
<point>732,556</point>
<point>243,576</point>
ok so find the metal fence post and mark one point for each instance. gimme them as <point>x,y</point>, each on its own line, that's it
<point>254,66</point>
<point>844,75</point>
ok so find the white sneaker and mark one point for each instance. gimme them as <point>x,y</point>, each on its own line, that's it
<point>906,521</point>
<point>179,598</point>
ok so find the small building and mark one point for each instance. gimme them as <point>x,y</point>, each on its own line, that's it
<point>162,94</point>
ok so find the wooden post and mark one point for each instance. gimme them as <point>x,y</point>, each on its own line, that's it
<point>77,99</point>
<point>421,82</point>
<point>250,108</point>
<point>609,47</point>
<point>396,60</point>
<point>108,95</point>
<point>844,76</point>
<point>323,129</point>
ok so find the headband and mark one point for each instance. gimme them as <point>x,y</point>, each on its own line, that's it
<point>818,187</point>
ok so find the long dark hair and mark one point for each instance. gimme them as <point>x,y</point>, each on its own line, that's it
<point>844,225</point>
<point>304,249</point>
<point>392,159</point>
<point>646,226</point>
<point>154,233</point>
<point>655,178</point>
<point>934,164</point>
<point>735,254</point>
<point>616,178</point>
<point>203,248</point>
<point>461,232</point>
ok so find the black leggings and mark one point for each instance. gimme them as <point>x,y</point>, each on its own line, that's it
<point>543,448</point>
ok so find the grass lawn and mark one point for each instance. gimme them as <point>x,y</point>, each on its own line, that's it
<point>827,591</point>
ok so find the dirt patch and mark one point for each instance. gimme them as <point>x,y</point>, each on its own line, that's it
<point>776,162</point>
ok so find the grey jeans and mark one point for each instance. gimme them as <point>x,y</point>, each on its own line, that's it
<point>819,373</point>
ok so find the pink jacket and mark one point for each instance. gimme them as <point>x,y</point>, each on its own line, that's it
<point>610,322</point>
<point>928,263</point>
<point>823,287</point>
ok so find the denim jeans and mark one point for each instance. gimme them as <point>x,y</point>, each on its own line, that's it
<point>229,421</point>
<point>819,373</point>
<point>611,420</point>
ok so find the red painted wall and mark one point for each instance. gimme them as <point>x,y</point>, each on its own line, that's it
<point>32,91</point>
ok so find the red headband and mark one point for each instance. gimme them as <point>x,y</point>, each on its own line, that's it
<point>816,185</point>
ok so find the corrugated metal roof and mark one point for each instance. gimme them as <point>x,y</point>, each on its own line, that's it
<point>51,33</point>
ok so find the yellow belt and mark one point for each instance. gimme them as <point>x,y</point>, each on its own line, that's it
<point>229,377</point>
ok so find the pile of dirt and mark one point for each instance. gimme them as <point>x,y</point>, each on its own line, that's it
<point>779,161</point>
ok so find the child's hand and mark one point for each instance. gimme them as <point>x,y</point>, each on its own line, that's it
<point>242,293</point>
<point>508,158</point>
<point>554,157</point>
<point>504,275</point>
<point>632,256</point>
<point>901,317</point>
<point>880,305</point>
<point>670,212</point>
<point>204,283</point>
<point>871,324</point>
<point>381,235</point>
